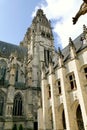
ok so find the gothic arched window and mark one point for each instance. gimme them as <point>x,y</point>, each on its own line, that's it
<point>17,106</point>
<point>63,120</point>
<point>1,105</point>
<point>79,118</point>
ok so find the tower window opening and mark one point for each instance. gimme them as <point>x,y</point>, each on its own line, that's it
<point>49,92</point>
<point>59,87</point>
<point>46,57</point>
<point>16,77</point>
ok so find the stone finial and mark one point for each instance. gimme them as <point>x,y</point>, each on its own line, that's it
<point>84,28</point>
<point>72,48</point>
<point>60,58</point>
<point>39,12</point>
<point>60,53</point>
<point>84,34</point>
<point>83,38</point>
<point>71,43</point>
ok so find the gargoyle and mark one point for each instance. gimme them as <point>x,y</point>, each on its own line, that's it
<point>82,11</point>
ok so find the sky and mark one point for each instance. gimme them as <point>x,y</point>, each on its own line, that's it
<point>16,16</point>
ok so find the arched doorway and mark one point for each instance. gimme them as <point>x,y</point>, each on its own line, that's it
<point>79,118</point>
<point>63,120</point>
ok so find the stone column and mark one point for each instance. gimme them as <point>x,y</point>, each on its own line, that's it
<point>10,95</point>
<point>46,122</point>
<point>82,95</point>
<point>69,116</point>
<point>29,76</point>
<point>54,99</point>
<point>40,119</point>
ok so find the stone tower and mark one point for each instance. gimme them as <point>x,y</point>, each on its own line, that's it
<point>39,41</point>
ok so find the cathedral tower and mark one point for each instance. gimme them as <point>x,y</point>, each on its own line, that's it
<point>39,41</point>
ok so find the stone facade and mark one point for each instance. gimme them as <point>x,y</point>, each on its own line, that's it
<point>40,88</point>
<point>64,88</point>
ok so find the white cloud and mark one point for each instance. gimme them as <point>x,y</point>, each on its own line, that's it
<point>65,9</point>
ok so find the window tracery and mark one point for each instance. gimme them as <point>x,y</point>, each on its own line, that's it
<point>17,106</point>
<point>72,81</point>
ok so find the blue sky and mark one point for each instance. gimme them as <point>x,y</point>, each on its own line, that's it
<point>16,16</point>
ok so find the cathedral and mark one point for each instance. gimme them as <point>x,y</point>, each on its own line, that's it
<point>40,88</point>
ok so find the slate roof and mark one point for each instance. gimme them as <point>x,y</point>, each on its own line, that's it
<point>78,45</point>
<point>6,49</point>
